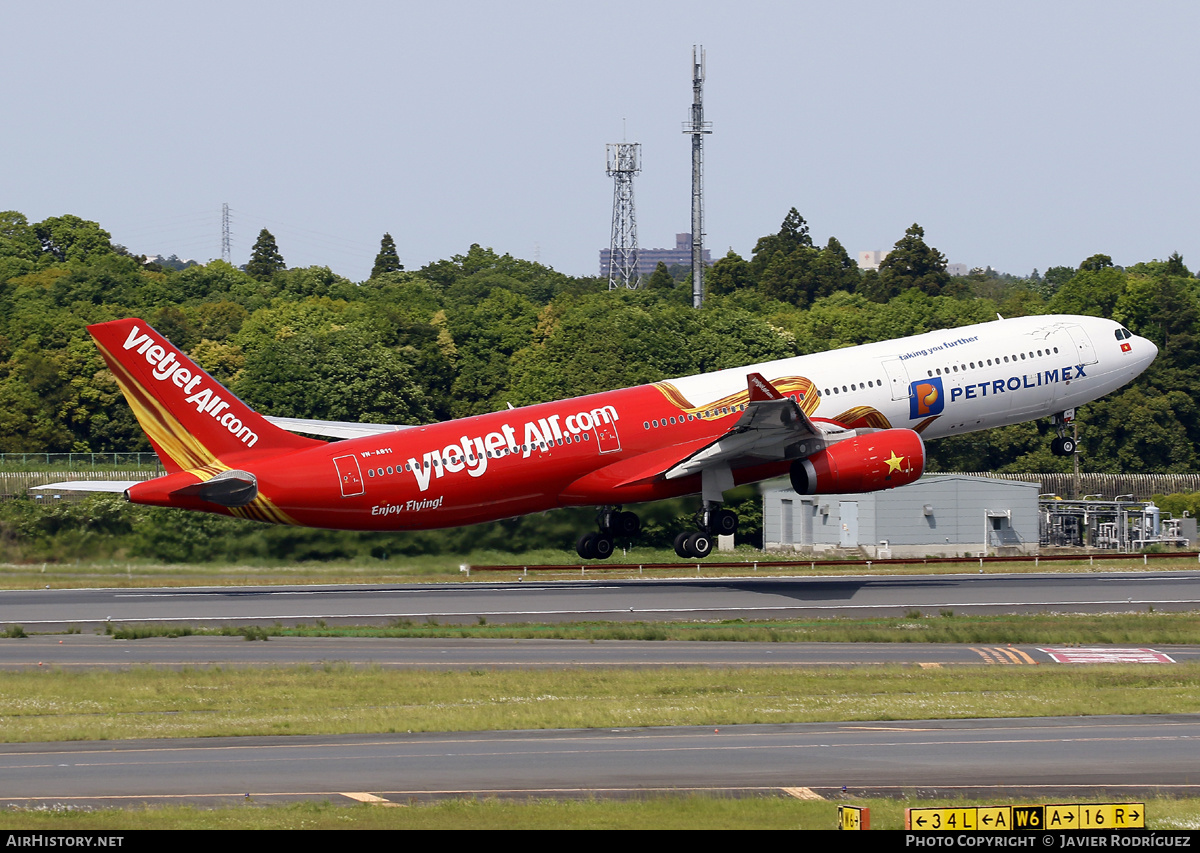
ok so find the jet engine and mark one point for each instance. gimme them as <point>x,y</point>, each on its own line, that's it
<point>870,462</point>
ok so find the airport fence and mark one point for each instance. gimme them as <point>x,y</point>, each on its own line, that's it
<point>1107,486</point>
<point>78,461</point>
<point>754,565</point>
<point>15,484</point>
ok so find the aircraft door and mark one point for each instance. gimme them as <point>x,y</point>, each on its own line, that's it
<point>607,438</point>
<point>349,475</point>
<point>1083,345</point>
<point>897,378</point>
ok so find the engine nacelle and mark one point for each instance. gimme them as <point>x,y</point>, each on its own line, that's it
<point>866,463</point>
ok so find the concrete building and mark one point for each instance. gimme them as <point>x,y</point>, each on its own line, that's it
<point>871,259</point>
<point>648,259</point>
<point>939,515</point>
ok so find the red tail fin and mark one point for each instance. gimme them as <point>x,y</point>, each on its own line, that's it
<point>191,420</point>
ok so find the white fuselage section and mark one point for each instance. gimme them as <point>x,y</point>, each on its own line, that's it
<point>961,380</point>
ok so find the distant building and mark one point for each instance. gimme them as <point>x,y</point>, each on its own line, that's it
<point>939,515</point>
<point>872,258</point>
<point>649,259</point>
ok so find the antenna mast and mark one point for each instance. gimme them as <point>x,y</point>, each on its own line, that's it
<point>226,250</point>
<point>697,127</point>
<point>624,161</point>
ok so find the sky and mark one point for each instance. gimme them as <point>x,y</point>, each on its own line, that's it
<point>1019,135</point>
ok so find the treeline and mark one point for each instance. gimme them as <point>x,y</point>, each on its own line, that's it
<point>482,330</point>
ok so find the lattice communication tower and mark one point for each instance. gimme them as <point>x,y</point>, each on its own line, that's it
<point>697,127</point>
<point>624,161</point>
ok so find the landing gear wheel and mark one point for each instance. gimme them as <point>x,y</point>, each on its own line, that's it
<point>586,546</point>
<point>594,546</point>
<point>1062,446</point>
<point>699,544</point>
<point>602,546</point>
<point>681,545</point>
<point>626,524</point>
<point>724,523</point>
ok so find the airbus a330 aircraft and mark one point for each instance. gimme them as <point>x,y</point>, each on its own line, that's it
<point>849,420</point>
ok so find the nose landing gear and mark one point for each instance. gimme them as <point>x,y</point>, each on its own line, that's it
<point>1064,445</point>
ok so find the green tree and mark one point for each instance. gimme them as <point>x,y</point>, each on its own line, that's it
<point>69,238</point>
<point>387,260</point>
<point>660,279</point>
<point>1054,278</point>
<point>17,237</point>
<point>1093,291</point>
<point>913,264</point>
<point>793,235</point>
<point>731,273</point>
<point>265,259</point>
<point>1096,263</point>
<point>787,266</point>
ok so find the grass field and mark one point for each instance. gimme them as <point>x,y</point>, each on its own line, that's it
<point>50,705</point>
<point>945,627</point>
<point>657,812</point>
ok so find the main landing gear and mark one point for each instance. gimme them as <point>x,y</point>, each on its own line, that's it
<point>713,522</point>
<point>1064,445</point>
<point>613,523</point>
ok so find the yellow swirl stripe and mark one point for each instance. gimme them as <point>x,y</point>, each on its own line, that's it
<point>179,449</point>
<point>788,386</point>
<point>863,416</point>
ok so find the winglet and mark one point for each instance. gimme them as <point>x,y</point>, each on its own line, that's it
<point>760,389</point>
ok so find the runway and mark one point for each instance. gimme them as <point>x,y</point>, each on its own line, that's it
<point>1042,757</point>
<point>90,651</point>
<point>619,600</point>
<point>1122,756</point>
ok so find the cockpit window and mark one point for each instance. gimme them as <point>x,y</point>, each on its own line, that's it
<point>1123,334</point>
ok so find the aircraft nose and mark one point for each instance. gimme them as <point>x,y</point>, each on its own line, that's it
<point>1151,350</point>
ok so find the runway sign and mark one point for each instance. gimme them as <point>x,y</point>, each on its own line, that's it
<point>854,817</point>
<point>1036,818</point>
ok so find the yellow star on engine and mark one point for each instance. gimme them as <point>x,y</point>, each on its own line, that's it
<point>894,462</point>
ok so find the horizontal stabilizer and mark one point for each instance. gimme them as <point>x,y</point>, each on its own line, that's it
<point>115,486</point>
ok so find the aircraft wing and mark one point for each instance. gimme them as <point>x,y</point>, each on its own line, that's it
<point>771,429</point>
<point>333,429</point>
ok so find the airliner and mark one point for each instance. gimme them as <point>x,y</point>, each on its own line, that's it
<point>843,421</point>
